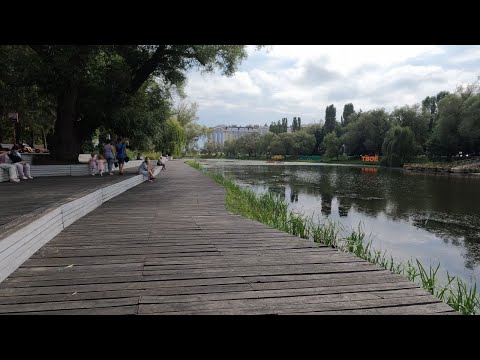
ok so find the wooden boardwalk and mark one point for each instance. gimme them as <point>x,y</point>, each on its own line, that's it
<point>41,193</point>
<point>172,248</point>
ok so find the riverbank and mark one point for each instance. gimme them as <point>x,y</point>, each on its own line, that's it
<point>276,163</point>
<point>272,211</point>
<point>442,168</point>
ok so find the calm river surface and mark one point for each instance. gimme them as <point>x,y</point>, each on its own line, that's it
<point>431,217</point>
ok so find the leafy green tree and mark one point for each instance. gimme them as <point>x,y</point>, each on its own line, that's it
<point>457,126</point>
<point>294,124</point>
<point>91,82</point>
<point>366,132</point>
<point>230,148</point>
<point>330,119</point>
<point>185,113</point>
<point>317,131</point>
<point>288,142</point>
<point>302,143</point>
<point>19,93</point>
<point>332,145</point>
<point>172,139</point>
<point>399,146</point>
<point>430,106</point>
<point>212,148</point>
<point>469,128</point>
<point>265,143</point>
<point>284,125</point>
<point>413,118</point>
<point>347,111</point>
<point>248,144</point>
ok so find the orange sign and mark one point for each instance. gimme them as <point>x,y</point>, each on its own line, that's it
<point>370,158</point>
<point>369,169</point>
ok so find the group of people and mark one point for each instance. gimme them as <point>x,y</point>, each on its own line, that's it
<point>112,153</point>
<point>11,160</point>
<point>96,164</point>
<point>118,154</point>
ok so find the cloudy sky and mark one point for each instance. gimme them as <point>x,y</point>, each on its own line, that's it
<point>301,80</point>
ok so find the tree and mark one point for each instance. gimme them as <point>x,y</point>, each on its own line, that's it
<point>294,124</point>
<point>230,148</point>
<point>18,93</point>
<point>469,128</point>
<point>332,145</point>
<point>173,139</point>
<point>186,112</point>
<point>330,119</point>
<point>399,146</point>
<point>302,143</point>
<point>376,125</point>
<point>457,126</point>
<point>248,144</point>
<point>347,111</point>
<point>91,82</point>
<point>317,131</point>
<point>284,125</point>
<point>366,132</point>
<point>413,118</point>
<point>430,106</point>
<point>299,123</point>
<point>265,143</point>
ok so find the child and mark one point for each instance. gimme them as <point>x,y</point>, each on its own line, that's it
<point>92,164</point>
<point>100,164</point>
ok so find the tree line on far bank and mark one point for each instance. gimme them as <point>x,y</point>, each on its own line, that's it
<point>440,127</point>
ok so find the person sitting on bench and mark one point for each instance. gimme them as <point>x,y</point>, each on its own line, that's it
<point>12,169</point>
<point>162,162</point>
<point>145,170</point>
<point>23,168</point>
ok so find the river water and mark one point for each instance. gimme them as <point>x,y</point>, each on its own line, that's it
<point>431,217</point>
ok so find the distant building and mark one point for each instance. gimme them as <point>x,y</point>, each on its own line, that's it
<point>222,133</point>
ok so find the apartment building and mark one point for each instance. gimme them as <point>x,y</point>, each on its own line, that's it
<point>222,133</point>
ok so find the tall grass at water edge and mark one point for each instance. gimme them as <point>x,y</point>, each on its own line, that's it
<point>271,210</point>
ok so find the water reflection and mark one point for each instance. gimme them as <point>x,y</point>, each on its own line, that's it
<point>428,216</point>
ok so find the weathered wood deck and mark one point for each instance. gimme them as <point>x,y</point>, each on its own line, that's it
<point>172,248</point>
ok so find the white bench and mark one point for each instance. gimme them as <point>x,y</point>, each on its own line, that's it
<point>65,170</point>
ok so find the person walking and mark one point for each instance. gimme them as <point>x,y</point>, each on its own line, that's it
<point>121,149</point>
<point>109,156</point>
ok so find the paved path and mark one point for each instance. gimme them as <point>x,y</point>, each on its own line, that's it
<point>172,248</point>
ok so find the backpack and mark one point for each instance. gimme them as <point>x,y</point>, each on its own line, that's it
<point>14,158</point>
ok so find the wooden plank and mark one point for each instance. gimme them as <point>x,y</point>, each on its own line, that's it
<point>181,252</point>
<point>64,305</point>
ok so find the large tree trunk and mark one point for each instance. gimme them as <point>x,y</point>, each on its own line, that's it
<point>18,133</point>
<point>32,138</point>
<point>44,138</point>
<point>65,145</point>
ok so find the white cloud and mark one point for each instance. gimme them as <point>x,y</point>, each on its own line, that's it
<point>302,80</point>
<point>469,55</point>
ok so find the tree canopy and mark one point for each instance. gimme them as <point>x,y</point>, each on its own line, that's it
<point>90,86</point>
